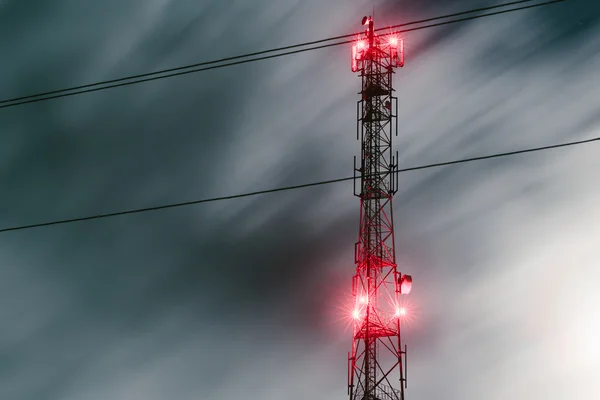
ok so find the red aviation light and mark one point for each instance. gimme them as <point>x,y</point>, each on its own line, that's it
<point>401,312</point>
<point>356,314</point>
<point>396,51</point>
<point>358,53</point>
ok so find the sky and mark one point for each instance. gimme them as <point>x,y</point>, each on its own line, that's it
<point>241,298</point>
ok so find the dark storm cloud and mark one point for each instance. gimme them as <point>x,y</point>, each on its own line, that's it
<point>232,298</point>
<point>122,280</point>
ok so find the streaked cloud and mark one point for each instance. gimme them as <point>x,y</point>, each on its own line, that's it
<point>236,298</point>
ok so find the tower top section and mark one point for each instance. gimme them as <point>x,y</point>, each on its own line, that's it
<point>387,48</point>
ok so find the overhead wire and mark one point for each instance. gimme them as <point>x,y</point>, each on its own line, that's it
<point>150,77</point>
<point>294,187</point>
<point>246,58</point>
<point>222,60</point>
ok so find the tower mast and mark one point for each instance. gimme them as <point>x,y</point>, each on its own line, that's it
<point>377,362</point>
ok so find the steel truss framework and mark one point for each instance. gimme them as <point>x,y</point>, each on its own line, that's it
<point>376,364</point>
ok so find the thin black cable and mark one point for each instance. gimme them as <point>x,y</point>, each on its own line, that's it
<point>286,188</point>
<point>219,63</point>
<point>258,53</point>
<point>514,3</point>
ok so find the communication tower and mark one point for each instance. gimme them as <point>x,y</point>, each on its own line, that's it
<point>377,362</point>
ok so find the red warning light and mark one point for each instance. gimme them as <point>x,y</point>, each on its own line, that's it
<point>393,41</point>
<point>401,312</point>
<point>356,314</point>
<point>358,53</point>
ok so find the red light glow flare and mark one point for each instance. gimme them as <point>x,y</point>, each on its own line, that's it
<point>401,312</point>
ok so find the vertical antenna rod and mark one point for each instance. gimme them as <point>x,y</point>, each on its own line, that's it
<point>376,363</point>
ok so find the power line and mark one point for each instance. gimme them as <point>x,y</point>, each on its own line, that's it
<point>286,188</point>
<point>258,53</point>
<point>458,14</point>
<point>244,59</point>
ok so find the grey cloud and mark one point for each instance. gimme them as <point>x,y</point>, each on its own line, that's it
<point>233,298</point>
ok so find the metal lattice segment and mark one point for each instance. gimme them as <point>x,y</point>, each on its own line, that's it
<point>377,359</point>
<point>383,392</point>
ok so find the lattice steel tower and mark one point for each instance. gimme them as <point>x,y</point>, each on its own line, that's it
<point>377,362</point>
